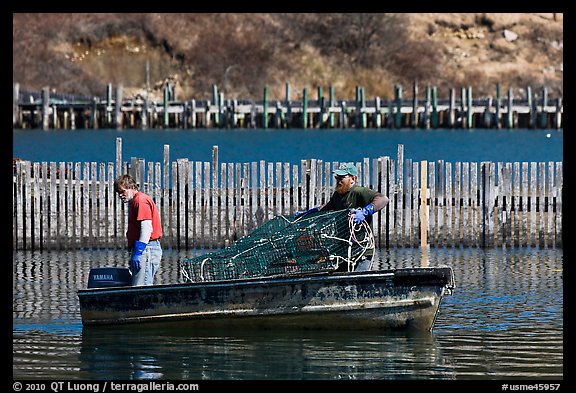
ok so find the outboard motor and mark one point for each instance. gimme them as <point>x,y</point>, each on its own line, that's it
<point>103,277</point>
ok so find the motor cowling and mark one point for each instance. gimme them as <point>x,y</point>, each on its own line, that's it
<point>104,277</point>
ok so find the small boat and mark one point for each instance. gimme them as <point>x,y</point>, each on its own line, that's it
<point>407,298</point>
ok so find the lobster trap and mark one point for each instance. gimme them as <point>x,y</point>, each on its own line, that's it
<point>286,245</point>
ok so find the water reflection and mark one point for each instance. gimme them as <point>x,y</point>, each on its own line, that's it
<point>267,354</point>
<point>504,320</point>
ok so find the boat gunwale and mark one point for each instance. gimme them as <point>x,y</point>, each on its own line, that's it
<point>327,277</point>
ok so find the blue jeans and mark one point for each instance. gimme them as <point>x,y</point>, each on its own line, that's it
<point>148,264</point>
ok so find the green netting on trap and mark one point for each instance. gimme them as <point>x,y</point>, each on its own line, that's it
<point>285,246</point>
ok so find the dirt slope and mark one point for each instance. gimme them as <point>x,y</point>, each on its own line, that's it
<point>242,53</point>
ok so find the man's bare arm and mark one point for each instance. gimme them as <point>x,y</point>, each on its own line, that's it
<point>379,201</point>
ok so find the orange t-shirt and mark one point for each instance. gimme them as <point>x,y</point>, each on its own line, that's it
<point>142,207</point>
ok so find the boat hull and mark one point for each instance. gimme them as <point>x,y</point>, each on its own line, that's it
<point>388,299</point>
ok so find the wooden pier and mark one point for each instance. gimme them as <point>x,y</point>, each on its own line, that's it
<point>43,110</point>
<point>70,205</point>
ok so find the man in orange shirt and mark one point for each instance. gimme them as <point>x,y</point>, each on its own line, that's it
<point>144,231</point>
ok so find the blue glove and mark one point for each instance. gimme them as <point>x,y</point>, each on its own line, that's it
<point>139,248</point>
<point>361,214</point>
<point>313,210</point>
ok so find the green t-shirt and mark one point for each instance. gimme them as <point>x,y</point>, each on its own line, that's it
<point>357,197</point>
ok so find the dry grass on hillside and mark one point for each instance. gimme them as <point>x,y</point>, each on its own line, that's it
<point>242,53</point>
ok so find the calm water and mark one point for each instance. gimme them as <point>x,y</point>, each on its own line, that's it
<point>504,321</point>
<point>291,145</point>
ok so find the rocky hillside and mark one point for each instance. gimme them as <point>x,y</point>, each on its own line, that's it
<point>241,53</point>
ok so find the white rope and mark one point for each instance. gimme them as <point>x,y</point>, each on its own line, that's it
<point>185,274</point>
<point>258,244</point>
<point>202,268</point>
<point>365,244</point>
<point>285,219</point>
<point>337,258</point>
<point>324,236</point>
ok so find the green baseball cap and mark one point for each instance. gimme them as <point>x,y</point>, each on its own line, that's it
<point>346,168</point>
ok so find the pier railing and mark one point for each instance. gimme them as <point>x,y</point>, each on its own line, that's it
<point>416,110</point>
<point>62,205</point>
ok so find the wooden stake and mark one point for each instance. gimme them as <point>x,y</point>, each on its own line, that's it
<point>423,204</point>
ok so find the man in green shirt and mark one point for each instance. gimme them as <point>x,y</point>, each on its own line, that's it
<point>363,200</point>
